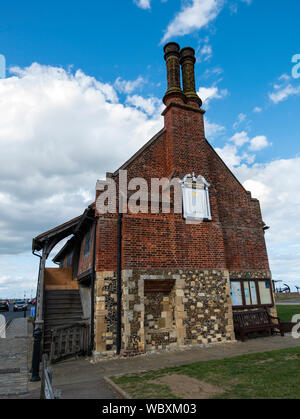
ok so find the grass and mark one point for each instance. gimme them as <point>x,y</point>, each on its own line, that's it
<point>286,312</point>
<point>272,374</point>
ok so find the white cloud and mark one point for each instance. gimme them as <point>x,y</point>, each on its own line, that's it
<point>284,93</point>
<point>283,89</point>
<point>284,77</point>
<point>240,138</point>
<point>257,109</point>
<point>213,130</point>
<point>258,143</point>
<point>59,133</point>
<point>276,185</point>
<point>128,86</point>
<point>209,93</point>
<point>241,118</point>
<point>231,153</point>
<point>149,105</point>
<point>205,51</point>
<point>143,4</point>
<point>195,15</point>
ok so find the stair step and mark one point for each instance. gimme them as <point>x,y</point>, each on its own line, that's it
<point>56,320</point>
<point>62,308</point>
<point>63,320</point>
<point>52,294</point>
<point>63,299</point>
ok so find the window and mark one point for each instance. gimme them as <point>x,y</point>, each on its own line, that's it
<point>87,245</point>
<point>195,197</point>
<point>69,260</point>
<point>251,293</point>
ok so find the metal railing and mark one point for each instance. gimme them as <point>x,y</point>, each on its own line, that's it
<point>69,340</point>
<point>47,390</point>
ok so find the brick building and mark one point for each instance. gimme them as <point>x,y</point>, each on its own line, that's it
<point>160,280</point>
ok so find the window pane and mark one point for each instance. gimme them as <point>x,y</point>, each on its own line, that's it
<point>69,260</point>
<point>253,292</point>
<point>236,294</point>
<point>247,293</point>
<point>265,292</point>
<point>87,243</point>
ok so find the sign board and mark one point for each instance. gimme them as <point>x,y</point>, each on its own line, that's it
<point>236,293</point>
<point>195,196</point>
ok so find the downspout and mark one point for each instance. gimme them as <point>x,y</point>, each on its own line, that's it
<point>36,254</point>
<point>119,279</point>
<point>92,343</point>
<point>92,337</point>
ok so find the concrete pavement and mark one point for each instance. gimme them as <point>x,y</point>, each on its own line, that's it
<point>291,302</point>
<point>13,359</point>
<point>83,377</point>
<point>81,372</point>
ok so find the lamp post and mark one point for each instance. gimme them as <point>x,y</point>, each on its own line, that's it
<point>37,335</point>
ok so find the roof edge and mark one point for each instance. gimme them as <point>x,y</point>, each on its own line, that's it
<point>139,152</point>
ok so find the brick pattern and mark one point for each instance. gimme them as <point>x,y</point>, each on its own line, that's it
<point>208,307</point>
<point>160,325</point>
<point>233,240</point>
<point>133,313</point>
<point>200,256</point>
<point>196,311</point>
<point>106,312</point>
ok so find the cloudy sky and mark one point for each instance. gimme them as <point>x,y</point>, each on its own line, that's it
<point>82,92</point>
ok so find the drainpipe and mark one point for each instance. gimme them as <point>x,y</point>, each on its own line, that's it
<point>39,256</point>
<point>119,279</point>
<point>37,333</point>
<point>92,344</point>
<point>92,339</point>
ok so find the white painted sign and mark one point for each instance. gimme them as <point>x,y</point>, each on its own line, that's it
<point>195,196</point>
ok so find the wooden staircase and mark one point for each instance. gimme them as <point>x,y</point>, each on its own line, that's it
<point>61,308</point>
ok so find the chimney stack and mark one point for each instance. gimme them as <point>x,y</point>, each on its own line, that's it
<point>172,50</point>
<point>187,61</point>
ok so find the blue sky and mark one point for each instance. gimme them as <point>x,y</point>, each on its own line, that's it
<point>74,69</point>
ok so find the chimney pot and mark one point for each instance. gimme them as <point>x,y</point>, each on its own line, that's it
<point>172,54</point>
<point>187,61</point>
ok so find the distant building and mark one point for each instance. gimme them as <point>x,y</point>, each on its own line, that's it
<point>154,281</point>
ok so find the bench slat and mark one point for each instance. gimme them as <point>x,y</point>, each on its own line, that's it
<point>255,320</point>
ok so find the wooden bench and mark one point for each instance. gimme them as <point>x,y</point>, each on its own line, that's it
<point>255,321</point>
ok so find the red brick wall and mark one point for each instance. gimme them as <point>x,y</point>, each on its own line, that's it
<point>106,249</point>
<point>233,240</point>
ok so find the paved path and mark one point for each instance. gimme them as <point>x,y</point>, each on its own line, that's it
<point>80,378</point>
<point>292,302</point>
<point>81,371</point>
<point>13,359</point>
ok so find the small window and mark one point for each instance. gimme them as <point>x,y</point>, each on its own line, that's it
<point>69,260</point>
<point>253,293</point>
<point>87,244</point>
